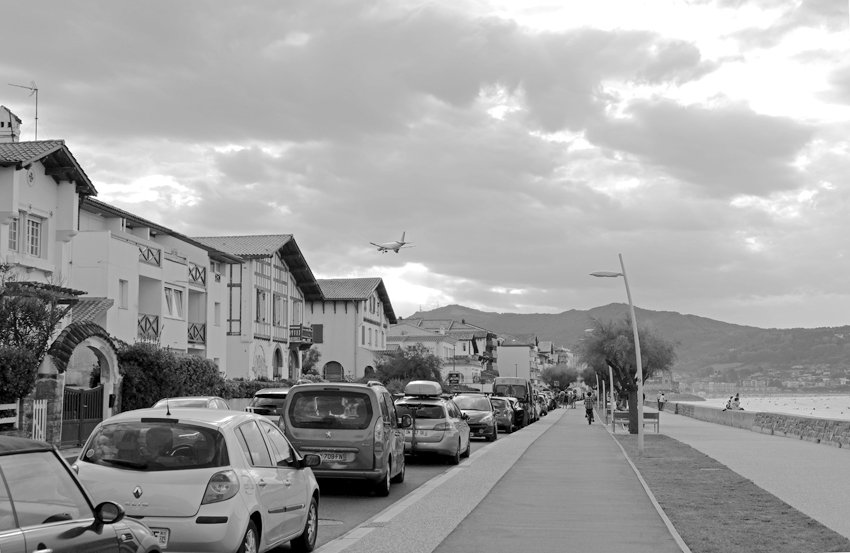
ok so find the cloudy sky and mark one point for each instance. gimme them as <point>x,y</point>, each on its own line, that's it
<point>521,144</point>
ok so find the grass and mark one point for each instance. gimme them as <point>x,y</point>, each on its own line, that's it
<point>716,510</point>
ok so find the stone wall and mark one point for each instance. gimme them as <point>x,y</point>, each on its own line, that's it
<point>822,431</point>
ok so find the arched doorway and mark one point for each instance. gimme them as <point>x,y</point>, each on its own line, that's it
<point>332,371</point>
<point>277,365</point>
<point>294,365</point>
<point>369,371</point>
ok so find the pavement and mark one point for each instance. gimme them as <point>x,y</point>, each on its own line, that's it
<point>561,484</point>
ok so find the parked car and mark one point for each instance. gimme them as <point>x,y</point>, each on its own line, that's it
<point>504,413</point>
<point>205,479</point>
<point>518,409</point>
<point>439,426</point>
<point>43,506</point>
<point>268,402</point>
<point>481,415</point>
<point>209,402</point>
<point>353,427</point>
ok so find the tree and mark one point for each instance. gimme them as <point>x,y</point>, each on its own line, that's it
<point>409,364</point>
<point>562,374</point>
<point>311,359</point>
<point>611,344</point>
<point>29,315</point>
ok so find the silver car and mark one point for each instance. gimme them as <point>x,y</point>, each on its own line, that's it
<point>205,479</point>
<point>439,426</point>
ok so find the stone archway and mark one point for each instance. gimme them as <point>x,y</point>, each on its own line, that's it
<point>333,371</point>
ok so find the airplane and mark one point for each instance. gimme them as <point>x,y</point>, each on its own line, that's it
<point>395,245</point>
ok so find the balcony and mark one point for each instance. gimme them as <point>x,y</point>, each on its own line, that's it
<point>151,256</point>
<point>197,333</point>
<point>148,327</point>
<point>301,336</point>
<point>197,275</point>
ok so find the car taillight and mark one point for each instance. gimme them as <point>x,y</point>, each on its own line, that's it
<point>379,437</point>
<point>221,487</point>
<point>443,426</point>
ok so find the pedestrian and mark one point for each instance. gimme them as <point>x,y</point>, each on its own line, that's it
<point>588,407</point>
<point>735,403</point>
<point>728,404</point>
<point>661,401</point>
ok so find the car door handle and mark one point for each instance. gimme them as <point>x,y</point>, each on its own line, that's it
<point>261,483</point>
<point>287,482</point>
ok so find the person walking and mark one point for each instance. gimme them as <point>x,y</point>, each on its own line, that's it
<point>588,407</point>
<point>661,401</point>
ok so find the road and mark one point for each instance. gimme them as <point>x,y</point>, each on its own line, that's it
<point>346,505</point>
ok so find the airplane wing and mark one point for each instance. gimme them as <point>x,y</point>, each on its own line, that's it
<point>376,245</point>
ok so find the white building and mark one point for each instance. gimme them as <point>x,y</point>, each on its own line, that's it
<point>265,316</point>
<point>350,323</point>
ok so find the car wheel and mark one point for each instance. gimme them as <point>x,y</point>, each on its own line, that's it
<point>399,478</point>
<point>307,540</point>
<point>492,437</point>
<point>382,487</point>
<point>251,541</point>
<point>510,427</point>
<point>454,459</point>
<point>468,449</point>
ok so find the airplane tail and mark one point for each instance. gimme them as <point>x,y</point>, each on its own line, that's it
<point>402,237</point>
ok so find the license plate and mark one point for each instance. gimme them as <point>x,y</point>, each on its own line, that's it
<point>409,432</point>
<point>333,456</point>
<point>161,535</point>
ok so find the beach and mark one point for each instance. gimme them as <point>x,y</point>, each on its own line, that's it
<point>819,406</point>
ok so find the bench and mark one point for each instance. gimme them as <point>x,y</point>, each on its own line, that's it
<point>651,417</point>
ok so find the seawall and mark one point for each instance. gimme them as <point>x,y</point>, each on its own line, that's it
<point>823,431</point>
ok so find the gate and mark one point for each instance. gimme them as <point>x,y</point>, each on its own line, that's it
<point>82,410</point>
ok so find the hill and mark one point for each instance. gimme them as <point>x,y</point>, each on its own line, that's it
<point>700,342</point>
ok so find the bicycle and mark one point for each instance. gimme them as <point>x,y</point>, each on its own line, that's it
<point>588,414</point>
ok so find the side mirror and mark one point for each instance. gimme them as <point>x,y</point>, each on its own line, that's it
<point>108,512</point>
<point>464,416</point>
<point>312,460</point>
<point>406,421</point>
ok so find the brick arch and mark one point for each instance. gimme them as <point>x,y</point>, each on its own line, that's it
<point>73,335</point>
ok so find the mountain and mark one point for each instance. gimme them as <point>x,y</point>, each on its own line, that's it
<point>700,342</point>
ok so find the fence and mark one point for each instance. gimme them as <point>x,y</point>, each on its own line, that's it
<point>8,416</point>
<point>39,419</point>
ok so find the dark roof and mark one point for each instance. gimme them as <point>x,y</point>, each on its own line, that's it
<point>96,206</point>
<point>15,444</point>
<point>266,245</point>
<point>63,295</point>
<point>461,330</point>
<point>88,309</point>
<point>357,289</point>
<point>57,159</point>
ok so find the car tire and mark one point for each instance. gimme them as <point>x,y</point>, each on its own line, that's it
<point>492,437</point>
<point>382,486</point>
<point>468,449</point>
<point>251,540</point>
<point>399,478</point>
<point>510,427</point>
<point>306,542</point>
<point>454,459</point>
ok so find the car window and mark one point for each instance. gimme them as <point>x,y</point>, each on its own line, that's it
<point>330,409</point>
<point>473,403</point>
<point>267,405</point>
<point>42,490</point>
<point>454,412</point>
<point>151,445</point>
<point>388,406</point>
<point>253,446</point>
<point>281,450</point>
<point>220,404</point>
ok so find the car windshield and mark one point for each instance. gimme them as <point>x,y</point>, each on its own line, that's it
<point>421,411</point>
<point>514,390</point>
<point>183,402</point>
<point>155,446</point>
<point>330,409</point>
<point>499,403</point>
<point>473,403</point>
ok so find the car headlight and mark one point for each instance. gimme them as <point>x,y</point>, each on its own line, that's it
<point>487,418</point>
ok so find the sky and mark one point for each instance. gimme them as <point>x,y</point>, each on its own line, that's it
<point>520,144</point>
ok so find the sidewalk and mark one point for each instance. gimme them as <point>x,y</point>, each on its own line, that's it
<point>557,485</point>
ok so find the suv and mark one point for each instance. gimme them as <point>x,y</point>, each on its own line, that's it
<point>353,427</point>
<point>268,402</point>
<point>42,502</point>
<point>439,426</point>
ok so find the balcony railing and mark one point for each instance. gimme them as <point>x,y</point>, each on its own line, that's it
<point>197,275</point>
<point>301,334</point>
<point>148,327</point>
<point>197,333</point>
<point>151,256</point>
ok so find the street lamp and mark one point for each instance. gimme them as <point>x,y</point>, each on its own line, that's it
<point>610,274</point>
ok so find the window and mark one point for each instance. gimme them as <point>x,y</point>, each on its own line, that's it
<point>363,335</point>
<point>123,294</point>
<point>217,313</point>
<point>253,445</point>
<point>34,232</point>
<point>174,302</point>
<point>262,297</point>
<point>13,234</point>
<point>318,334</point>
<point>277,310</point>
<point>370,336</point>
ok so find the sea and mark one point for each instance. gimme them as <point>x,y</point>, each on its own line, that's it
<point>818,406</point>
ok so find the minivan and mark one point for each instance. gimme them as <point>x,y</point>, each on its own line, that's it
<point>353,427</point>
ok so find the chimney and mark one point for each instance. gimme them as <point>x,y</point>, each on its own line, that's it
<point>10,126</point>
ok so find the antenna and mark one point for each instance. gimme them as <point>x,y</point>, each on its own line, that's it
<point>33,90</point>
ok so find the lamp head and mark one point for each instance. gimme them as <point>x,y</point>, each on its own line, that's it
<point>609,274</point>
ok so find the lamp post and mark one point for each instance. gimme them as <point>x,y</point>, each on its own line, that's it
<point>639,376</point>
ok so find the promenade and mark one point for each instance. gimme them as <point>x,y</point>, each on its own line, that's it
<point>561,484</point>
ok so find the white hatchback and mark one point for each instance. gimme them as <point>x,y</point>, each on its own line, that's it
<point>205,479</point>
